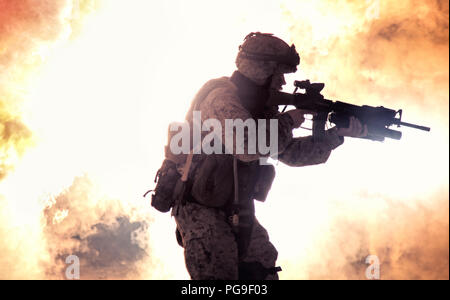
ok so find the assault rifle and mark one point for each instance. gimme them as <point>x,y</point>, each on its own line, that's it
<point>378,119</point>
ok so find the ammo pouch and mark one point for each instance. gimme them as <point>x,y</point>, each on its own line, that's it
<point>169,187</point>
<point>266,175</point>
<point>213,181</point>
<point>166,180</point>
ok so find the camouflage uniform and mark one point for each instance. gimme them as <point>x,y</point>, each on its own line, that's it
<point>211,249</point>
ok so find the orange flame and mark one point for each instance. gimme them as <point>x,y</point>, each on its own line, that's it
<point>87,89</point>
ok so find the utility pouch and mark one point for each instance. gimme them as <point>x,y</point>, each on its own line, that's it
<point>166,180</point>
<point>169,187</point>
<point>266,175</point>
<point>213,181</point>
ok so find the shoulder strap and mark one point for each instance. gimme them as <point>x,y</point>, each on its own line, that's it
<point>198,99</point>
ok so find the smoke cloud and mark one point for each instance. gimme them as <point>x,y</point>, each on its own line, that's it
<point>389,200</point>
<point>411,242</point>
<point>395,54</point>
<point>75,222</point>
<point>98,231</point>
<point>29,30</point>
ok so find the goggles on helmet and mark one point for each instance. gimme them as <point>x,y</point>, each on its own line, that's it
<point>291,59</point>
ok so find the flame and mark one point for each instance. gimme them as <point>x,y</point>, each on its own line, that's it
<point>88,88</point>
<point>373,198</point>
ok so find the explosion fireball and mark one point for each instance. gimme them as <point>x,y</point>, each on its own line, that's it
<point>88,88</point>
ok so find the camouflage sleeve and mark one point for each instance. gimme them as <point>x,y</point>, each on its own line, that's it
<point>222,104</point>
<point>304,151</point>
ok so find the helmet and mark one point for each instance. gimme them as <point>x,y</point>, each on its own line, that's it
<point>262,53</point>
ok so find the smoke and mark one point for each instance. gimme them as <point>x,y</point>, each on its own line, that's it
<point>395,54</point>
<point>389,200</point>
<point>29,30</point>
<point>392,55</point>
<point>411,242</point>
<point>100,232</point>
<point>55,128</point>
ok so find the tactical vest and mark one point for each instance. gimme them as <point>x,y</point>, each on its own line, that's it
<point>210,179</point>
<point>213,174</point>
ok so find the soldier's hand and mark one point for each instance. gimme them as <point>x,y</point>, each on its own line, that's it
<point>298,116</point>
<point>355,129</point>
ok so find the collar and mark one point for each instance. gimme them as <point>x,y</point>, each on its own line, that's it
<point>252,96</point>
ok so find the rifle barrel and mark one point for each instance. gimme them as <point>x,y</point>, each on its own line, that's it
<point>424,128</point>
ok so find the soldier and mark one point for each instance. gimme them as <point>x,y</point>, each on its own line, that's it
<point>216,246</point>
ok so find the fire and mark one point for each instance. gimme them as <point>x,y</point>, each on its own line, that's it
<point>89,87</point>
